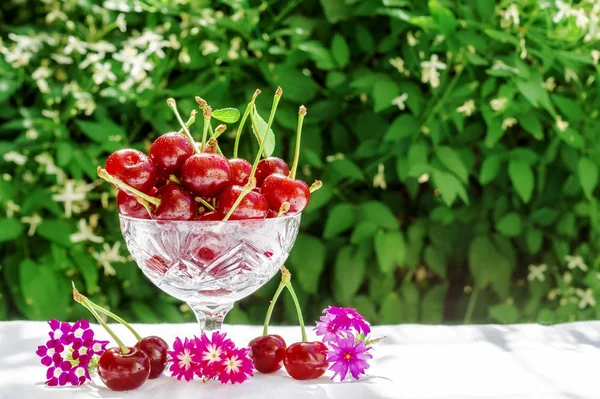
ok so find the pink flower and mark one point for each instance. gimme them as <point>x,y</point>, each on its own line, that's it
<point>98,347</point>
<point>347,318</point>
<point>50,353</point>
<point>236,366</point>
<point>81,331</point>
<point>329,328</point>
<point>82,352</point>
<point>346,355</point>
<point>208,353</point>
<point>79,375</point>
<point>59,374</point>
<point>183,366</point>
<point>60,331</point>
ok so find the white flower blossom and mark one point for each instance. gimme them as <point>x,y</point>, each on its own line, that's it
<point>498,104</point>
<point>102,47</point>
<point>379,178</point>
<point>560,124</point>
<point>184,56</point>
<point>424,178</point>
<point>412,41</point>
<point>400,100</point>
<point>102,73</point>
<point>586,298</point>
<point>91,58</point>
<point>70,195</point>
<point>134,63</point>
<point>74,44</point>
<point>536,272</point>
<point>33,221</point>
<point>570,75</point>
<point>523,53</point>
<point>508,123</point>
<point>207,47</point>
<point>564,10</point>
<point>107,256</point>
<point>567,278</point>
<point>121,23</point>
<point>501,66</point>
<point>85,233</point>
<point>510,16</point>
<point>467,108</point>
<point>15,157</point>
<point>11,208</point>
<point>549,84</point>
<point>595,56</point>
<point>398,63</point>
<point>335,157</point>
<point>31,134</point>
<point>575,262</point>
<point>430,70</point>
<point>235,47</point>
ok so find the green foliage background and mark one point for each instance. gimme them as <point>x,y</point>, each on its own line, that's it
<point>467,192</point>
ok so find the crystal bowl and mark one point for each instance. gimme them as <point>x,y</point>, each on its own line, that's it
<point>210,265</point>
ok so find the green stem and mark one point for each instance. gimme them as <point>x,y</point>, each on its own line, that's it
<point>173,105</point>
<point>204,203</point>
<point>272,306</point>
<point>283,208</point>
<point>174,179</point>
<point>207,116</point>
<point>102,173</point>
<point>288,284</point>
<point>116,318</point>
<point>190,121</point>
<point>315,186</point>
<point>301,115</point>
<point>471,305</point>
<point>243,122</point>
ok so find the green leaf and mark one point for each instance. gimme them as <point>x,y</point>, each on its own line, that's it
<point>390,249</point>
<point>143,312</point>
<point>319,54</point>
<point>340,50</point>
<point>87,267</point>
<point>340,219</point>
<point>489,169</point>
<point>532,125</point>
<point>522,178</point>
<point>308,261</point>
<point>391,309</point>
<point>502,37</point>
<point>449,187</point>
<point>363,231</point>
<point>365,306</point>
<point>45,293</point>
<point>10,229</point>
<point>345,168</point>
<point>588,176</point>
<point>261,125</point>
<point>433,303</point>
<point>348,274</point>
<point>451,159</point>
<point>380,214</point>
<point>336,10</point>
<point>443,16</point>
<point>227,115</point>
<point>509,225</point>
<point>101,131</point>
<point>435,260</point>
<point>403,127</point>
<point>384,91</point>
<point>489,265</point>
<point>7,88</point>
<point>505,313</point>
<point>534,240</point>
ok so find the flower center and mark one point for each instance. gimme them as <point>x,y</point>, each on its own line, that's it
<point>50,352</point>
<point>80,372</point>
<point>233,365</point>
<point>57,372</point>
<point>82,350</point>
<point>184,359</point>
<point>79,333</point>
<point>348,356</point>
<point>97,347</point>
<point>57,334</point>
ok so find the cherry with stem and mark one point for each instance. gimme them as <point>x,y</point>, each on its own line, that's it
<point>186,131</point>
<point>243,122</point>
<point>207,116</point>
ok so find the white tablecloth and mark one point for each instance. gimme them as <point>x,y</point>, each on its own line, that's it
<point>516,361</point>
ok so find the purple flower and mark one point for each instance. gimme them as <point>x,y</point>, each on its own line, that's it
<point>346,355</point>
<point>81,331</point>
<point>181,357</point>
<point>208,352</point>
<point>82,352</point>
<point>50,353</point>
<point>98,347</point>
<point>235,366</point>
<point>60,331</point>
<point>329,328</point>
<point>347,318</point>
<point>59,374</point>
<point>79,375</point>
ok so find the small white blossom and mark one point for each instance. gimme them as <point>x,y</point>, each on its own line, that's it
<point>560,124</point>
<point>586,298</point>
<point>510,16</point>
<point>31,134</point>
<point>107,256</point>
<point>498,104</point>
<point>424,178</point>
<point>429,70</point>
<point>134,63</point>
<point>121,23</point>
<point>85,233</point>
<point>235,48</point>
<point>581,19</point>
<point>398,63</point>
<point>11,208</point>
<point>412,41</point>
<point>379,178</point>
<point>549,84</point>
<point>207,47</point>
<point>508,123</point>
<point>91,58</point>
<point>74,44</point>
<point>595,56</point>
<point>570,75</point>
<point>15,157</point>
<point>102,73</point>
<point>567,278</point>
<point>33,221</point>
<point>576,262</point>
<point>501,66</point>
<point>102,47</point>
<point>536,272</point>
<point>564,10</point>
<point>184,56</point>
<point>523,53</point>
<point>331,158</point>
<point>400,100</point>
<point>467,108</point>
<point>70,195</point>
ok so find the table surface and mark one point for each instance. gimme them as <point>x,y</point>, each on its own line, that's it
<point>415,361</point>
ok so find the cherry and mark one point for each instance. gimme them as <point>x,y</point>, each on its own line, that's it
<point>176,203</point>
<point>156,349</point>
<point>129,206</point>
<point>132,167</point>
<point>123,372</point>
<point>169,152</point>
<point>252,206</point>
<point>206,174</point>
<point>268,166</point>
<point>271,214</point>
<point>240,171</point>
<point>306,360</point>
<point>278,189</point>
<point>267,353</point>
<point>210,217</point>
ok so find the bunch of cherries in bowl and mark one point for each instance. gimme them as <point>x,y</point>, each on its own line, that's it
<point>181,179</point>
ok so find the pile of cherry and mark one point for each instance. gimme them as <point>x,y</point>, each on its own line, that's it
<point>181,179</point>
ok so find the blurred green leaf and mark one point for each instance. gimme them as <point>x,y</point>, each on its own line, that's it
<point>227,115</point>
<point>505,313</point>
<point>379,213</point>
<point>509,225</point>
<point>39,283</point>
<point>349,273</point>
<point>489,169</point>
<point>340,219</point>
<point>308,260</point>
<point>403,127</point>
<point>10,229</point>
<point>588,176</point>
<point>451,159</point>
<point>340,50</point>
<point>336,10</point>
<point>433,303</point>
<point>522,178</point>
<point>390,249</point>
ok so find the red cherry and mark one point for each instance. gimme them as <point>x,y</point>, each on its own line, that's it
<point>210,216</point>
<point>169,152</point>
<point>123,372</point>
<point>206,174</point>
<point>278,189</point>
<point>129,206</point>
<point>156,349</point>
<point>240,171</point>
<point>268,166</point>
<point>271,214</point>
<point>252,206</point>
<point>132,167</point>
<point>176,203</point>
<point>306,360</point>
<point>267,353</point>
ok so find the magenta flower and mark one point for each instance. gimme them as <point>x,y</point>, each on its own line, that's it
<point>329,329</point>
<point>347,318</point>
<point>60,331</point>
<point>59,374</point>
<point>81,331</point>
<point>348,356</point>
<point>208,353</point>
<point>98,347</point>
<point>82,352</point>
<point>183,366</point>
<point>236,366</point>
<point>79,375</point>
<point>50,353</point>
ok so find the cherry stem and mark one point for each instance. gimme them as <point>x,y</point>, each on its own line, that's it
<point>283,208</point>
<point>207,115</point>
<point>174,179</point>
<point>173,105</point>
<point>213,144</point>
<point>144,203</point>
<point>190,121</point>
<point>85,302</point>
<point>102,173</point>
<point>243,122</point>
<point>315,186</point>
<point>287,277</point>
<point>116,318</point>
<point>272,306</point>
<point>301,115</point>
<point>206,204</point>
<point>251,179</point>
<point>219,130</point>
